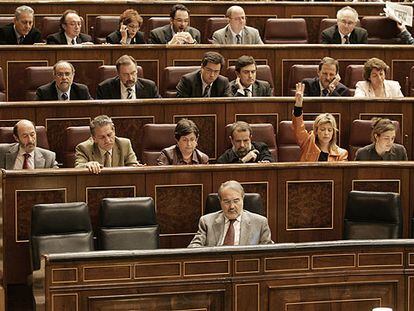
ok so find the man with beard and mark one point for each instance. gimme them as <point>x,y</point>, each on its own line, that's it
<point>126,85</point>
<point>244,150</point>
<point>63,87</point>
<point>24,154</point>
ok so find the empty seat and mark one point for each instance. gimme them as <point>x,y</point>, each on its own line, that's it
<point>60,228</point>
<point>74,135</point>
<point>35,77</point>
<point>155,138</point>
<point>285,31</point>
<point>261,132</point>
<point>360,135</point>
<point>213,24</point>
<point>128,223</point>
<point>172,75</point>
<point>6,136</point>
<point>353,74</point>
<point>252,202</point>
<point>109,71</point>
<point>373,215</point>
<point>104,25</point>
<point>263,72</point>
<point>297,73</point>
<point>381,30</point>
<point>2,87</point>
<point>51,24</point>
<point>288,149</point>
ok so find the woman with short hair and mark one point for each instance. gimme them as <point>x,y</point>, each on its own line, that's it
<point>130,23</point>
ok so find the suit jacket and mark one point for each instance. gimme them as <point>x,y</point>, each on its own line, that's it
<point>122,153</point>
<point>49,92</point>
<point>60,38</point>
<point>368,153</point>
<point>115,38</point>
<point>331,36</point>
<point>164,34</point>
<point>229,156</point>
<point>111,89</point>
<point>259,88</point>
<point>42,158</point>
<point>406,37</point>
<point>254,230</point>
<point>224,36</point>
<point>8,35</point>
<point>364,89</point>
<point>312,88</point>
<point>191,85</point>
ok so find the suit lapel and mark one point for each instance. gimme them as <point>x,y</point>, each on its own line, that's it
<point>255,89</point>
<point>198,87</point>
<point>11,156</point>
<point>337,37</point>
<point>39,160</point>
<point>245,229</point>
<point>73,93</point>
<point>117,86</point>
<point>228,38</point>
<point>139,90</point>
<point>218,228</point>
<point>168,34</point>
<point>96,154</point>
<point>115,154</point>
<point>53,91</point>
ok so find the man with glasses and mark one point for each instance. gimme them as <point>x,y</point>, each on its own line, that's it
<point>63,87</point>
<point>232,225</point>
<point>236,32</point>
<point>345,31</point>
<point>178,31</point>
<point>70,31</point>
<point>207,81</point>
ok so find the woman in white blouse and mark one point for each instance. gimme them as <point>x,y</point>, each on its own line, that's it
<point>375,84</point>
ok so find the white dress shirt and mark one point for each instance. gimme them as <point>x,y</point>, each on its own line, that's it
<point>236,226</point>
<point>18,164</point>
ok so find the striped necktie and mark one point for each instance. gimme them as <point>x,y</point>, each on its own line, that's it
<point>129,90</point>
<point>206,91</point>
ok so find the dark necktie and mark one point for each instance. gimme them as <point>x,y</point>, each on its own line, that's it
<point>325,92</point>
<point>21,39</point>
<point>238,39</point>
<point>247,93</point>
<point>129,90</point>
<point>229,238</point>
<point>206,90</point>
<point>107,160</point>
<point>26,161</point>
<point>73,41</point>
<point>64,96</point>
<point>346,39</point>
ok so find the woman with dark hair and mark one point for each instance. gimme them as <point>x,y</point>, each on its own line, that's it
<point>383,147</point>
<point>185,151</point>
<point>129,24</point>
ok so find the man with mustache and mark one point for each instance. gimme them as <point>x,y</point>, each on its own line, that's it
<point>126,85</point>
<point>244,150</point>
<point>23,154</point>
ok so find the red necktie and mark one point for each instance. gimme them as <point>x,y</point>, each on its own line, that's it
<point>229,238</point>
<point>26,161</point>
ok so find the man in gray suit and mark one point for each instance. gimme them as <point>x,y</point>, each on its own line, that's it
<point>236,32</point>
<point>24,154</point>
<point>246,84</point>
<point>232,225</point>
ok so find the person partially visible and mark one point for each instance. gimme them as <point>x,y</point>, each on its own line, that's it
<point>236,32</point>
<point>318,145</point>
<point>246,84</point>
<point>63,87</point>
<point>130,23</point>
<point>232,225</point>
<point>383,147</point>
<point>206,81</point>
<point>327,82</point>
<point>70,31</point>
<point>404,34</point>
<point>104,149</point>
<point>22,30</point>
<point>178,31</point>
<point>345,31</point>
<point>127,85</point>
<point>185,151</point>
<point>24,153</point>
<point>243,149</point>
<point>375,84</point>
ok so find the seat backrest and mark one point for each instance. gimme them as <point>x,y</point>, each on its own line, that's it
<point>36,76</point>
<point>373,215</point>
<point>353,74</point>
<point>155,138</point>
<point>60,228</point>
<point>128,223</point>
<point>360,135</point>
<point>155,22</point>
<point>412,228</point>
<point>172,75</point>
<point>6,136</point>
<point>213,24</point>
<point>299,72</point>
<point>51,24</point>
<point>109,71</point>
<point>5,20</point>
<point>411,81</point>
<point>381,30</point>
<point>261,132</point>
<point>285,31</point>
<point>263,72</point>
<point>74,135</point>
<point>104,25</point>
<point>288,149</point>
<point>2,87</point>
<point>252,202</point>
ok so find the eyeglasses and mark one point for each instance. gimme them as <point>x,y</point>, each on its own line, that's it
<point>179,20</point>
<point>345,22</point>
<point>235,201</point>
<point>63,74</point>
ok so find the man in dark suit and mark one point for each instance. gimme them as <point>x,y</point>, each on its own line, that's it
<point>207,81</point>
<point>63,87</point>
<point>70,31</point>
<point>21,31</point>
<point>327,83</point>
<point>178,31</point>
<point>246,84</point>
<point>345,31</point>
<point>127,85</point>
<point>24,154</point>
